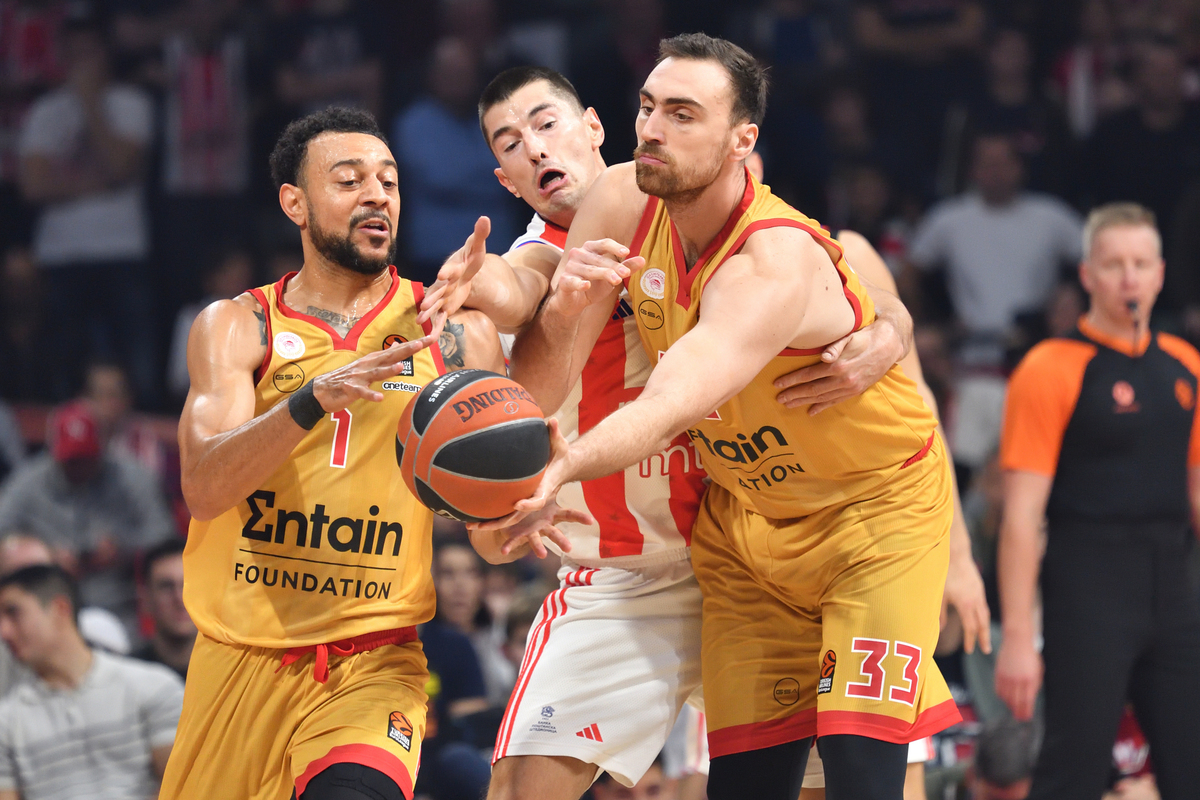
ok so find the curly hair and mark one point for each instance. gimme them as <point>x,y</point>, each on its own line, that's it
<point>287,159</point>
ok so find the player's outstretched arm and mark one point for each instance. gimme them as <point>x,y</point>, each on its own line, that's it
<point>225,451</point>
<point>756,305</point>
<point>508,289</point>
<point>549,357</point>
<point>469,341</point>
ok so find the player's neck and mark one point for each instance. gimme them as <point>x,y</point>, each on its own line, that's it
<point>700,218</point>
<point>334,289</point>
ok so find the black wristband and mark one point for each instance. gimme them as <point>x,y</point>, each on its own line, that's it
<point>305,408</point>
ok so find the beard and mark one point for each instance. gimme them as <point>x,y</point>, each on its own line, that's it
<point>669,181</point>
<point>343,252</point>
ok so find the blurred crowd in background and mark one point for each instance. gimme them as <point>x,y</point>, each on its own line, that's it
<point>963,138</point>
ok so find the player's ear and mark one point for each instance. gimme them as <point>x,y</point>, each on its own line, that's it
<point>505,182</point>
<point>595,127</point>
<point>291,200</point>
<point>745,136</point>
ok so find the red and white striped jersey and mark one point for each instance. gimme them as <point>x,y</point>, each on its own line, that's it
<point>644,514</point>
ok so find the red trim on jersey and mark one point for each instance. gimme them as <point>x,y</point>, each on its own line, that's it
<point>643,228</point>
<point>418,290</point>
<point>351,340</point>
<point>757,735</point>
<point>924,451</point>
<point>890,729</point>
<point>553,234</point>
<point>603,392</point>
<point>683,296</point>
<point>366,754</point>
<point>553,606</point>
<point>261,297</point>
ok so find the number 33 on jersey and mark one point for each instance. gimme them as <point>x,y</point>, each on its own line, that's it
<point>333,541</point>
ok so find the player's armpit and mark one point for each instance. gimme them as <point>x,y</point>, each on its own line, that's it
<point>469,340</point>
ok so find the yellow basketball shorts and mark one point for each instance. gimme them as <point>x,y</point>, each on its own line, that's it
<point>253,729</point>
<point>826,624</point>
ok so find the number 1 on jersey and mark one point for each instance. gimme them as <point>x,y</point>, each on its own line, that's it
<point>341,438</point>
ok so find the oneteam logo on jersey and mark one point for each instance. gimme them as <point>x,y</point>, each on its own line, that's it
<point>756,455</point>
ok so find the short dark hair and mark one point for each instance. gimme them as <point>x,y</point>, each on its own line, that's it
<point>747,77</point>
<point>45,582</point>
<point>1006,751</point>
<point>171,547</point>
<point>287,159</point>
<point>509,82</point>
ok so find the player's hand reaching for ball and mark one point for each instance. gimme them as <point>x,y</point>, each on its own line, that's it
<point>338,389</point>
<point>510,543</point>
<point>453,285</point>
<point>591,274</point>
<point>847,368</point>
<point>547,490</point>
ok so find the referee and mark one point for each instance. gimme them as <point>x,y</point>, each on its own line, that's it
<point>1100,440</point>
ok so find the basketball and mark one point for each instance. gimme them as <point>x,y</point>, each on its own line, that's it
<point>471,444</point>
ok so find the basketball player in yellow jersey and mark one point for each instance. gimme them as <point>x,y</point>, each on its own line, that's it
<point>822,546</point>
<point>307,562</point>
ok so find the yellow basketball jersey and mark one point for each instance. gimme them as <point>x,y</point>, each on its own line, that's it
<point>778,462</point>
<point>332,545</point>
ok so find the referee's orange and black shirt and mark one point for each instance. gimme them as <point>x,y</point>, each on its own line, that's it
<point>1113,423</point>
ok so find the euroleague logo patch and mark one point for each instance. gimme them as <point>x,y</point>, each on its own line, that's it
<point>654,283</point>
<point>289,345</point>
<point>828,665</point>
<point>406,366</point>
<point>400,730</point>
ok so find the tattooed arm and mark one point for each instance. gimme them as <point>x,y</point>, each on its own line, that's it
<point>470,341</point>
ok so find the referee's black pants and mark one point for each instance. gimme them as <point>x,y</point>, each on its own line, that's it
<point>1121,623</point>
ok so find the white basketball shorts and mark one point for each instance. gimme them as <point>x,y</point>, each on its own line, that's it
<point>610,660</point>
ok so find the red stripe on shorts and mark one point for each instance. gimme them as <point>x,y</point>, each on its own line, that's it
<point>553,607</point>
<point>890,729</point>
<point>366,754</point>
<point>757,735</point>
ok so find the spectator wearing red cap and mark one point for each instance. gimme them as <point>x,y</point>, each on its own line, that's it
<point>100,506</point>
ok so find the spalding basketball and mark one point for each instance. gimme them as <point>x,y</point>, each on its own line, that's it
<point>472,444</point>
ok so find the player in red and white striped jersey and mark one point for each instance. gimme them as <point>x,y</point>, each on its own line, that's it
<point>615,651</point>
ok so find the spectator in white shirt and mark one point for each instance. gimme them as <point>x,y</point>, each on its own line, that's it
<point>82,153</point>
<point>91,724</point>
<point>1002,248</point>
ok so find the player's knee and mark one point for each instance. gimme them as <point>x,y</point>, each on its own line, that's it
<point>771,773</point>
<point>352,782</point>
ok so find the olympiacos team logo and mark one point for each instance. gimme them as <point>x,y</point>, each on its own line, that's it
<point>654,283</point>
<point>289,345</point>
